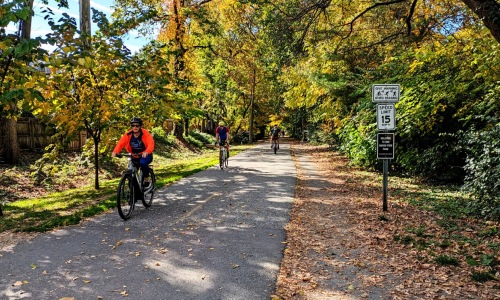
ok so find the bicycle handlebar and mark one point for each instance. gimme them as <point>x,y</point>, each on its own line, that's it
<point>127,154</point>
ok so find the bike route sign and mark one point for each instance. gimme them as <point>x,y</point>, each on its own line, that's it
<point>386,116</point>
<point>385,93</point>
<point>385,145</point>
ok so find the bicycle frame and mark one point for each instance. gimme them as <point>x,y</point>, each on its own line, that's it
<point>135,171</point>
<point>222,155</point>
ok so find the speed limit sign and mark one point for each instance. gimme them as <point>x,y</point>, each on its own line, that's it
<point>386,117</point>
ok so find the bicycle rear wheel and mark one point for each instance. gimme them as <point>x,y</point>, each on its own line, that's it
<point>125,197</point>
<point>149,194</point>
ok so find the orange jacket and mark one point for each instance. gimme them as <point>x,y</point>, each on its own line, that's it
<point>124,141</point>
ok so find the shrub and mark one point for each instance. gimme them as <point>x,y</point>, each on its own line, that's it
<point>359,144</point>
<point>162,137</point>
<point>482,167</point>
<point>445,260</point>
<point>482,276</point>
<point>241,138</point>
<point>200,137</point>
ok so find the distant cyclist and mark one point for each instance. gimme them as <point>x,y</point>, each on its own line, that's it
<point>138,140</point>
<point>275,135</point>
<point>222,135</point>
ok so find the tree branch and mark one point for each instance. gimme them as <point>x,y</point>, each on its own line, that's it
<point>368,9</point>
<point>408,18</point>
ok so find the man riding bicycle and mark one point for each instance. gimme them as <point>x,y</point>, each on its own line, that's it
<point>275,135</point>
<point>138,140</point>
<point>222,135</point>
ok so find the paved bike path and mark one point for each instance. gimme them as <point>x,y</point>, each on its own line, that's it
<point>217,234</point>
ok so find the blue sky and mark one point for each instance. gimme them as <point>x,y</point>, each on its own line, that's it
<point>39,26</point>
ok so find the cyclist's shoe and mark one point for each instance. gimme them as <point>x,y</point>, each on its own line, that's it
<point>147,184</point>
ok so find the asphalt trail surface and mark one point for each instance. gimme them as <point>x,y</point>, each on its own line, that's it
<point>217,234</point>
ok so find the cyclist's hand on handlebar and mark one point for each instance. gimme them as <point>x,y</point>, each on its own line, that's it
<point>144,154</point>
<point>113,154</point>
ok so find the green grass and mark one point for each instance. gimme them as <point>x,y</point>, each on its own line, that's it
<point>445,260</point>
<point>71,206</point>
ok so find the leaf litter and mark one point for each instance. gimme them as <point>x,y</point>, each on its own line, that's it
<point>341,245</point>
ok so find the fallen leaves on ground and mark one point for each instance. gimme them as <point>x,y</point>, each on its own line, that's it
<point>341,245</point>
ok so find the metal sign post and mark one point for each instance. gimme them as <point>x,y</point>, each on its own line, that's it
<point>385,95</point>
<point>385,167</point>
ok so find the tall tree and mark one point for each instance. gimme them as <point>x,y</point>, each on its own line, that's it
<point>20,55</point>
<point>85,82</point>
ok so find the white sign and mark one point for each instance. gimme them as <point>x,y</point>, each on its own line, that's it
<point>385,93</point>
<point>386,117</point>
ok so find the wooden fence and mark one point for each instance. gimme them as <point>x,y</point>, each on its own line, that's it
<point>33,135</point>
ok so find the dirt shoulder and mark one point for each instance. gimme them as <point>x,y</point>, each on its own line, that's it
<point>341,245</point>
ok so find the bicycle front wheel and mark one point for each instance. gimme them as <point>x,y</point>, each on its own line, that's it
<point>221,159</point>
<point>149,193</point>
<point>226,160</point>
<point>125,197</point>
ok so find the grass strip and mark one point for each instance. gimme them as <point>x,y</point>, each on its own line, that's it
<point>72,206</point>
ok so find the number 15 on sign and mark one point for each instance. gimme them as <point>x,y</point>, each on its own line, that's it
<point>386,115</point>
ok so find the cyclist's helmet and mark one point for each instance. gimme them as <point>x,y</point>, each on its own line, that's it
<point>136,120</point>
<point>222,123</point>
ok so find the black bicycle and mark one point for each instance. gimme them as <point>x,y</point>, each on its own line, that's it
<point>275,146</point>
<point>223,157</point>
<point>131,187</point>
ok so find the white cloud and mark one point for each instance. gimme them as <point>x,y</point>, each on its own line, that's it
<point>104,7</point>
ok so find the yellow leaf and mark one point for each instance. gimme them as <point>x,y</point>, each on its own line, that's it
<point>86,281</point>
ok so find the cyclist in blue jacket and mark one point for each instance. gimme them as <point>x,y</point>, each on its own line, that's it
<point>222,135</point>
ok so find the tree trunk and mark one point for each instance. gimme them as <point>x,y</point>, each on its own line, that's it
<point>96,162</point>
<point>186,126</point>
<point>489,13</point>
<point>26,24</point>
<point>252,96</point>
<point>179,130</point>
<point>85,20</point>
<point>11,148</point>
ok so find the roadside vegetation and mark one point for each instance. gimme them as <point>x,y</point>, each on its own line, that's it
<point>54,191</point>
